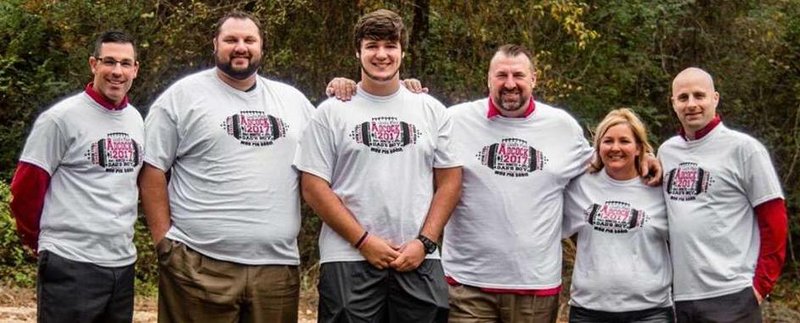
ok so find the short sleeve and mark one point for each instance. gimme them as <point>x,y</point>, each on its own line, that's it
<point>308,112</point>
<point>46,144</point>
<point>582,150</point>
<point>161,134</point>
<point>761,180</point>
<point>573,212</point>
<point>445,153</point>
<point>316,153</point>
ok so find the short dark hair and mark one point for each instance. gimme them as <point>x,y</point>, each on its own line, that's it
<point>238,14</point>
<point>380,24</point>
<point>514,50</point>
<point>114,36</point>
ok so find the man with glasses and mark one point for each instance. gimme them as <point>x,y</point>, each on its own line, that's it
<point>75,195</point>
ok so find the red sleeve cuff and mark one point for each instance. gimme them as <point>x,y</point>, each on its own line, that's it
<point>28,188</point>
<point>772,227</point>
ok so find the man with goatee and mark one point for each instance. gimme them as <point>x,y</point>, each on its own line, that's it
<point>225,222</point>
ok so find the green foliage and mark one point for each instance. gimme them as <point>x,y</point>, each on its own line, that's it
<point>591,56</point>
<point>27,78</point>
<point>17,265</point>
<point>147,261</point>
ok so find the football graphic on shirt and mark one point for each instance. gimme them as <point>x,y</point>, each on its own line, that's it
<point>385,135</point>
<point>117,153</point>
<point>512,157</point>
<point>255,128</point>
<point>614,217</point>
<point>687,181</point>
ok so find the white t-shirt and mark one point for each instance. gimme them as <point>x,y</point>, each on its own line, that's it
<point>378,154</point>
<point>622,262</point>
<point>233,194</point>
<point>711,186</point>
<point>93,156</point>
<point>505,231</point>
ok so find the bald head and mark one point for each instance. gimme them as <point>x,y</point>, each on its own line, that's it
<point>694,99</point>
<point>693,74</point>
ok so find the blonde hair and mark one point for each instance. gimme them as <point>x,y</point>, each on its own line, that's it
<point>617,117</point>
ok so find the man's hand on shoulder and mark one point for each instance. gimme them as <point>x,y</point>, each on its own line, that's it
<point>344,88</point>
<point>651,170</point>
<point>414,85</point>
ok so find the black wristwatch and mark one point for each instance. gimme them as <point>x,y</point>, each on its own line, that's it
<point>430,245</point>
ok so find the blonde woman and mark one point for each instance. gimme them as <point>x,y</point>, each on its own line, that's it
<point>622,268</point>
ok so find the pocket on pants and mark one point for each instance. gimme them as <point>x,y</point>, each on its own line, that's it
<point>164,250</point>
<point>44,256</point>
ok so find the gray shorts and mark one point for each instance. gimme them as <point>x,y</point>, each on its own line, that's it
<point>358,292</point>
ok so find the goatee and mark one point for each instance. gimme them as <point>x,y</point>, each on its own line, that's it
<point>239,74</point>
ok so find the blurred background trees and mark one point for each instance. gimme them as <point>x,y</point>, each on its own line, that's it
<point>591,56</point>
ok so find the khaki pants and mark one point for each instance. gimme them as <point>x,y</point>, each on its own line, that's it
<point>471,305</point>
<point>196,288</point>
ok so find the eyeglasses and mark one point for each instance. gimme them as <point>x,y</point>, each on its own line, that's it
<point>126,64</point>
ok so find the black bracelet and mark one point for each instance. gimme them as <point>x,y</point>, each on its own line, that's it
<point>361,240</point>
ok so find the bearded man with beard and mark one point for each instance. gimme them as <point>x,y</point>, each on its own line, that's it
<point>225,221</point>
<point>502,247</point>
<point>501,251</point>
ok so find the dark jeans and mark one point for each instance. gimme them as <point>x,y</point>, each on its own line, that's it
<point>739,307</point>
<point>653,315</point>
<point>358,292</point>
<point>71,291</point>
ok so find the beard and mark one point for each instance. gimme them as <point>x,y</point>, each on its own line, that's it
<point>236,73</point>
<point>513,105</point>
<point>376,78</point>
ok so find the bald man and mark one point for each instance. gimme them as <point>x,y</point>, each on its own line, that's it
<point>727,218</point>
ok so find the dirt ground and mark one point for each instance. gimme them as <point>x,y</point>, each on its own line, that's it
<point>19,305</point>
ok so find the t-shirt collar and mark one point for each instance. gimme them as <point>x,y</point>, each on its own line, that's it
<point>494,111</point>
<point>702,132</point>
<point>97,97</point>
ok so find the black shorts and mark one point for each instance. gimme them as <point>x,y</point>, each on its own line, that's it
<point>358,292</point>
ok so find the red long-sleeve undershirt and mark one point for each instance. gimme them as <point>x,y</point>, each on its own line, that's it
<point>772,227</point>
<point>30,183</point>
<point>28,188</point>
